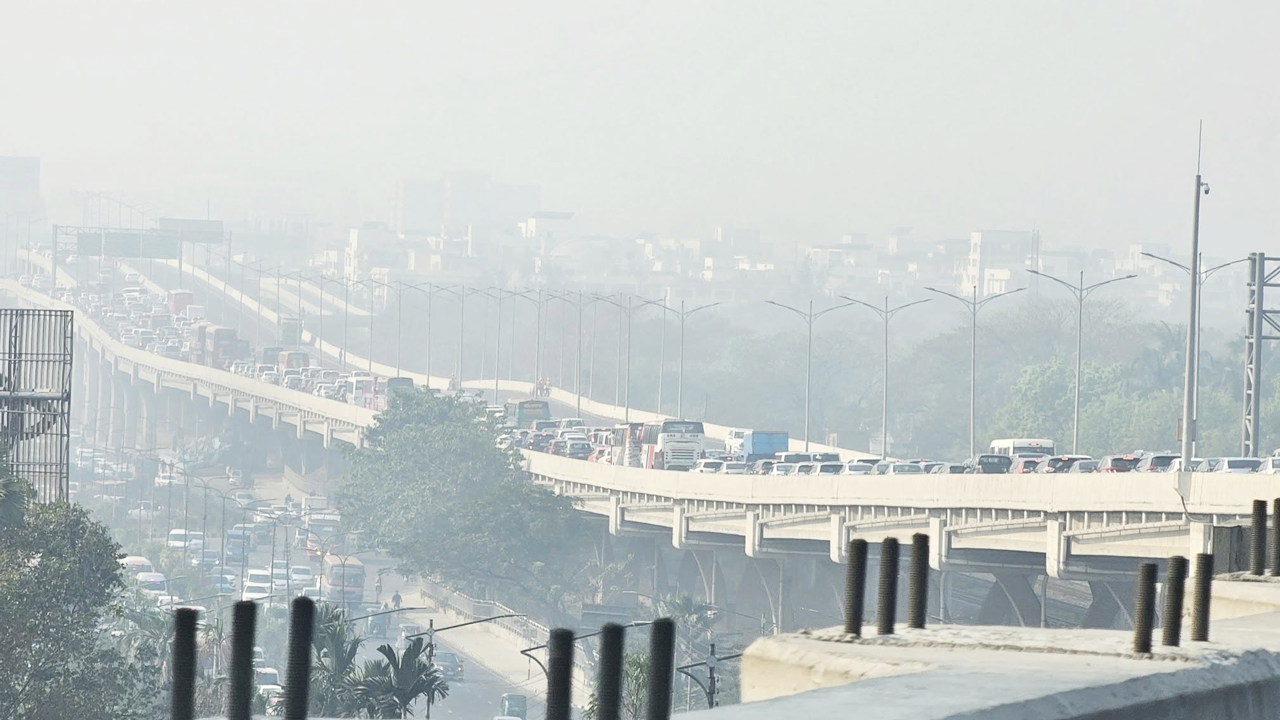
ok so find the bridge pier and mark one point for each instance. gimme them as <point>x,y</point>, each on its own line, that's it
<point>115,410</point>
<point>1010,595</point>
<point>129,412</point>
<point>150,405</point>
<point>101,421</point>
<point>1110,601</point>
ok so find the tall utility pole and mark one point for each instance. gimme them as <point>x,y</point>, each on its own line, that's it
<point>809,318</point>
<point>624,312</point>
<point>973,304</point>
<point>1195,378</point>
<point>682,316</point>
<point>579,304</point>
<point>886,314</point>
<point>1081,293</point>
<point>1193,334</point>
<point>662,347</point>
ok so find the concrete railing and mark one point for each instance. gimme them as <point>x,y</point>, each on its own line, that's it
<point>1206,493</point>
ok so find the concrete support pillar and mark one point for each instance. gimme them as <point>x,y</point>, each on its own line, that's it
<point>1011,599</point>
<point>150,404</point>
<point>1111,602</point>
<point>129,412</point>
<point>92,390</point>
<point>115,413</point>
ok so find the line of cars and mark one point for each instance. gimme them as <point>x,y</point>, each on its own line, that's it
<point>1031,463</point>
<point>567,437</point>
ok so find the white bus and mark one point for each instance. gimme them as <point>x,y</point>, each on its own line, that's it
<point>624,444</point>
<point>360,390</point>
<point>1022,447</point>
<point>671,444</point>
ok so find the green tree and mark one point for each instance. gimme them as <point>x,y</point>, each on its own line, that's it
<point>387,688</point>
<point>635,688</point>
<point>335,648</point>
<point>58,577</point>
<point>15,495</point>
<point>432,488</point>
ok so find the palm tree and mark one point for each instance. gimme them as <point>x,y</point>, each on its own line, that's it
<point>635,688</point>
<point>335,649</point>
<point>388,688</point>
<point>693,618</point>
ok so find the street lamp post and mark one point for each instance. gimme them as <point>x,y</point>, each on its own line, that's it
<point>1081,293</point>
<point>624,312</point>
<point>973,305</point>
<point>1195,374</point>
<point>431,640</point>
<point>1193,334</point>
<point>809,318</point>
<point>682,316</point>
<point>346,317</point>
<point>579,304</point>
<point>886,314</point>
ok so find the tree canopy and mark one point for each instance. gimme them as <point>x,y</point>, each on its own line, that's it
<point>432,489</point>
<point>58,577</point>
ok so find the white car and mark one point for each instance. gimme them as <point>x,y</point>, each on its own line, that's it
<point>243,498</point>
<point>167,477</point>
<point>258,576</point>
<point>280,579</point>
<point>301,576</point>
<point>178,539</point>
<point>735,468</point>
<point>707,466</point>
<point>153,583</point>
<point>1234,464</point>
<point>255,591</point>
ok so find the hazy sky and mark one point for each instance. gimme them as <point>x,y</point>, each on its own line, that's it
<point>806,119</point>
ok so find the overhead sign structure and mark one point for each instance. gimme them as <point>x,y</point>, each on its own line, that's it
<point>145,245</point>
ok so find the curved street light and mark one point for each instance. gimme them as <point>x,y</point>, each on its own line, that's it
<point>886,314</point>
<point>973,305</point>
<point>1081,293</point>
<point>809,318</point>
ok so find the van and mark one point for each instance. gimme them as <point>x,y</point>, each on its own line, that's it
<point>514,705</point>
<point>134,564</point>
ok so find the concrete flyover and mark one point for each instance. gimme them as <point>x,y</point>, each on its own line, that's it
<point>1078,527</point>
<point>1093,528</point>
<point>333,352</point>
<point>309,416</point>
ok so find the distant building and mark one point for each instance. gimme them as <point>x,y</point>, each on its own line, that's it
<point>995,256</point>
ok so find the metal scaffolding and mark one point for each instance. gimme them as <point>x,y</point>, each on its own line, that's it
<point>1263,271</point>
<point>35,398</point>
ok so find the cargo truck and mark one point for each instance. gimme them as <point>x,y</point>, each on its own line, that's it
<point>763,444</point>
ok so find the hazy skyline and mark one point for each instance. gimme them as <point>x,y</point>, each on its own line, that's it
<point>807,121</point>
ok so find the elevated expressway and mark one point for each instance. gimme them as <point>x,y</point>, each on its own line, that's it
<point>1092,527</point>
<point>1069,526</point>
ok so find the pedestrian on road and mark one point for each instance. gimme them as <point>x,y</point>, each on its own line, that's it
<point>377,589</point>
<point>395,600</point>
